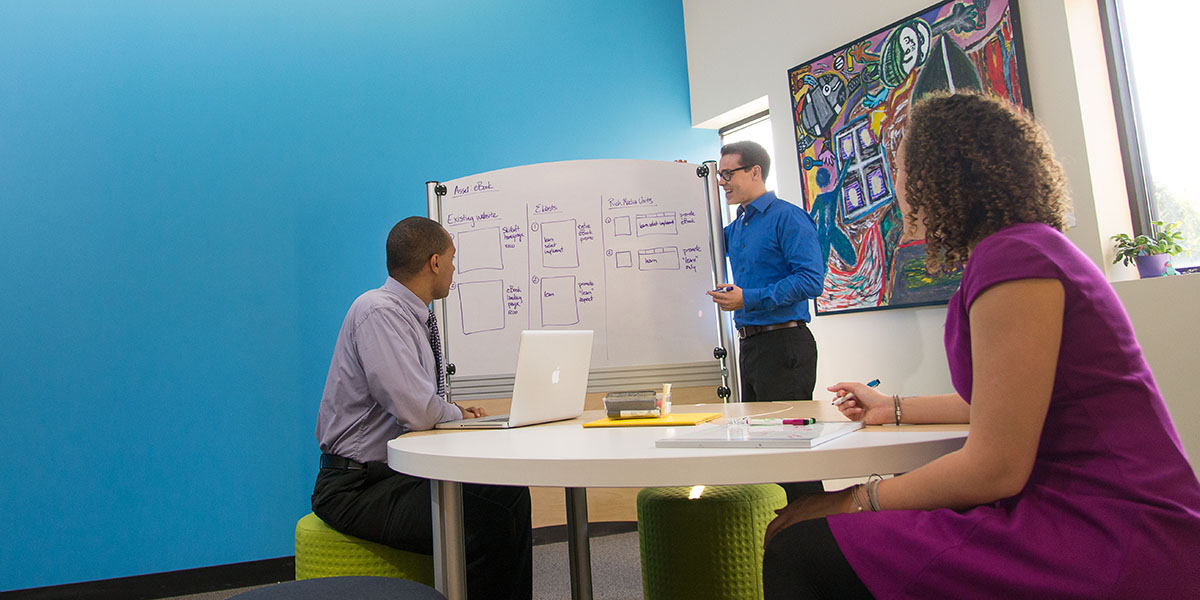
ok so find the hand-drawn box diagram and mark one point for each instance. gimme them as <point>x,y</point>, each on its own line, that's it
<point>661,223</point>
<point>479,249</point>
<point>481,304</point>
<point>559,303</point>
<point>659,259</point>
<point>624,259</point>
<point>621,226</point>
<point>560,248</point>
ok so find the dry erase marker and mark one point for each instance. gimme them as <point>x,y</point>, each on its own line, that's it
<point>727,288</point>
<point>749,421</point>
<point>839,401</point>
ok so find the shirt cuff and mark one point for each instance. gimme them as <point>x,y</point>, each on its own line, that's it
<point>752,299</point>
<point>451,413</point>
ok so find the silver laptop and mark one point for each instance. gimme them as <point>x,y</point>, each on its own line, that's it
<point>550,383</point>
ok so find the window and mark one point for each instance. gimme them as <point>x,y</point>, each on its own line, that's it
<point>1147,42</point>
<point>755,129</point>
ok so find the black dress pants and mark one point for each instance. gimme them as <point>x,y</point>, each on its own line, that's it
<point>781,365</point>
<point>803,562</point>
<point>381,505</point>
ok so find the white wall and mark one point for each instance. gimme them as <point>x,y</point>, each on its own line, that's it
<point>738,57</point>
<point>1164,316</point>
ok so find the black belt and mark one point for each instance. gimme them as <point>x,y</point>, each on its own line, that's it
<point>333,461</point>
<point>753,330</point>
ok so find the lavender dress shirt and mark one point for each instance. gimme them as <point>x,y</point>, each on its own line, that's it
<point>382,380</point>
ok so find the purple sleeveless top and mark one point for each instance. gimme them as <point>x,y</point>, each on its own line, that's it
<point>1112,508</point>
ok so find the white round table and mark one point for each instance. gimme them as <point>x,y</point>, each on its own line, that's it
<point>564,454</point>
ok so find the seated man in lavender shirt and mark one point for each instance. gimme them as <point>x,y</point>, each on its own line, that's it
<point>387,378</point>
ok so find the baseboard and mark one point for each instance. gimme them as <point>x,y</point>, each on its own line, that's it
<point>236,575</point>
<point>171,583</point>
<point>558,533</point>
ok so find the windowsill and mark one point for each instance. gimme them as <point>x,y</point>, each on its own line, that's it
<point>1185,278</point>
<point>1127,273</point>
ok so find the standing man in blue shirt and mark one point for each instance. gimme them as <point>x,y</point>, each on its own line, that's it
<point>387,378</point>
<point>776,260</point>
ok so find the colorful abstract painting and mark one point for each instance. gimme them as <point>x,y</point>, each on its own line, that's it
<point>849,108</point>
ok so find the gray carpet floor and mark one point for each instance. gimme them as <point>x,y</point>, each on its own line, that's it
<point>616,571</point>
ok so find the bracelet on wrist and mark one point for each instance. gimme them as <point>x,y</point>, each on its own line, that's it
<point>872,486</point>
<point>896,402</point>
<point>859,504</point>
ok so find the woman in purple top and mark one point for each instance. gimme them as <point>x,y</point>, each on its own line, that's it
<point>1072,482</point>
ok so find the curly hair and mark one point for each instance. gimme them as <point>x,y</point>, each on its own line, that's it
<point>974,165</point>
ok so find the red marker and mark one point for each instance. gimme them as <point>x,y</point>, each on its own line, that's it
<point>749,421</point>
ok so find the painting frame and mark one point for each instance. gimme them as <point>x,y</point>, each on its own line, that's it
<point>849,106</point>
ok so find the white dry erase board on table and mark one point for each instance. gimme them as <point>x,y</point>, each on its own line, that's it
<point>738,435</point>
<point>621,247</point>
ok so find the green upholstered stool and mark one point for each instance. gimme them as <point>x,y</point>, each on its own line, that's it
<point>709,547</point>
<point>322,551</point>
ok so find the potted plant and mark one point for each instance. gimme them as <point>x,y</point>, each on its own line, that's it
<point>1152,253</point>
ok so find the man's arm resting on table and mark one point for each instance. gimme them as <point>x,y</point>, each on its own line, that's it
<point>390,355</point>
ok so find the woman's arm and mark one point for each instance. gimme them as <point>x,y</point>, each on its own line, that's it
<point>946,408</point>
<point>876,408</point>
<point>1016,331</point>
<point>1014,358</point>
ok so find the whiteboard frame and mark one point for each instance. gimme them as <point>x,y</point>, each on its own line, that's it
<point>726,332</point>
<point>727,377</point>
<point>434,191</point>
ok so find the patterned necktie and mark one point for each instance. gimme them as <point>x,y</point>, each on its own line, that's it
<point>435,341</point>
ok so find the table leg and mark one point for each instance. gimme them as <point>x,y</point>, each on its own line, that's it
<point>449,550</point>
<point>578,545</point>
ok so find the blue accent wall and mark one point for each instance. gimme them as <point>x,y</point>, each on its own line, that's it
<point>191,195</point>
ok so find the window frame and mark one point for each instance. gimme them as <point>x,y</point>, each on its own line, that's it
<point>743,123</point>
<point>1138,182</point>
<point>752,120</point>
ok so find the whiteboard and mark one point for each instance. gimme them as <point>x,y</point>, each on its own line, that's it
<point>621,247</point>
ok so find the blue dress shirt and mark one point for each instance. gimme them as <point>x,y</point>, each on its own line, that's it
<point>776,260</point>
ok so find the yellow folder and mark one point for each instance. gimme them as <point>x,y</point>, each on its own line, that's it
<point>667,420</point>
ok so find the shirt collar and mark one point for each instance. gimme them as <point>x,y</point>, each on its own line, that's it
<point>407,298</point>
<point>760,204</point>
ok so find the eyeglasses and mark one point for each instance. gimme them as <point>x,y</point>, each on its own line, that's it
<point>727,174</point>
